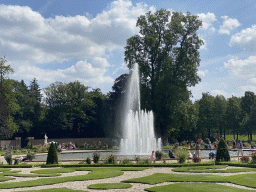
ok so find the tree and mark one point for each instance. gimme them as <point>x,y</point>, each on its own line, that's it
<point>233,115</point>
<point>34,90</point>
<point>52,157</point>
<point>165,50</point>
<point>219,110</point>
<point>115,107</point>
<point>8,103</point>
<point>71,109</point>
<point>205,121</point>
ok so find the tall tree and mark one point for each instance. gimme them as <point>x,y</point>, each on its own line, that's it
<point>8,103</point>
<point>205,121</point>
<point>233,115</point>
<point>219,111</point>
<point>165,48</point>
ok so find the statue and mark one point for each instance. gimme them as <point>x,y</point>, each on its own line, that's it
<point>45,139</point>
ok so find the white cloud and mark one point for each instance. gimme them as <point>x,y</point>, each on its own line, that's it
<point>219,92</point>
<point>248,88</point>
<point>27,38</point>
<point>203,47</point>
<point>121,70</point>
<point>207,20</point>
<point>242,68</point>
<point>88,73</point>
<point>202,73</point>
<point>245,39</point>
<point>228,25</point>
<point>253,80</point>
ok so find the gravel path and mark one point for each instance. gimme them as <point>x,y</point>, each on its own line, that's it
<point>82,185</point>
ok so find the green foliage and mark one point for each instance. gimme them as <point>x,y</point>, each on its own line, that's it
<point>8,158</point>
<point>111,159</point>
<point>110,186</point>
<point>222,153</point>
<point>137,159</point>
<point>159,155</point>
<point>182,155</point>
<point>31,156</point>
<point>126,161</point>
<point>167,68</point>
<point>96,156</point>
<point>52,157</point>
<point>88,160</point>
<point>29,145</point>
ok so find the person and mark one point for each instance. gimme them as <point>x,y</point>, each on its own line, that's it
<point>234,144</point>
<point>239,148</point>
<point>152,157</point>
<point>197,149</point>
<point>23,159</point>
<point>252,147</point>
<point>211,154</point>
<point>171,154</point>
<point>210,145</point>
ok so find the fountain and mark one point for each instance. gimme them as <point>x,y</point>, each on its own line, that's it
<point>138,136</point>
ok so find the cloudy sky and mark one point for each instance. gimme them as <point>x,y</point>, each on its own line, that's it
<point>64,40</point>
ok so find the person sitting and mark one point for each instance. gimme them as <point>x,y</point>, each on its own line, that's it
<point>23,159</point>
<point>152,157</point>
<point>171,154</point>
<point>211,154</point>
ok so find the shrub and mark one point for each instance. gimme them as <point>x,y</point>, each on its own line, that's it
<point>29,145</point>
<point>111,159</point>
<point>145,161</point>
<point>126,161</point>
<point>159,155</point>
<point>16,161</point>
<point>8,158</point>
<point>253,158</point>
<point>59,150</point>
<point>137,159</point>
<point>196,160</point>
<point>52,157</point>
<point>182,155</point>
<point>88,160</point>
<point>31,156</point>
<point>222,151</point>
<point>245,159</point>
<point>96,156</point>
<point>206,146</point>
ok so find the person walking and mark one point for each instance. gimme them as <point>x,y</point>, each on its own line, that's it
<point>197,149</point>
<point>152,157</point>
<point>239,148</point>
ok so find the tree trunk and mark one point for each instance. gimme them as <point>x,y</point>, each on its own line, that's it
<point>224,134</point>
<point>237,135</point>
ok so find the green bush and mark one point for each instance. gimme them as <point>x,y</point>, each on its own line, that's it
<point>31,156</point>
<point>182,155</point>
<point>88,160</point>
<point>145,161</point>
<point>111,159</point>
<point>16,161</point>
<point>137,159</point>
<point>253,161</point>
<point>52,157</point>
<point>126,161</point>
<point>159,155</point>
<point>96,156</point>
<point>222,151</point>
<point>29,145</point>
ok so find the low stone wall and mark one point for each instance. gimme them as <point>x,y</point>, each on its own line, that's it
<point>77,141</point>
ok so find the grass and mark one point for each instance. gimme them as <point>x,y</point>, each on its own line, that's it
<point>166,177</point>
<point>97,173</point>
<point>56,190</point>
<point>195,187</point>
<point>241,137</point>
<point>212,169</point>
<point>110,186</point>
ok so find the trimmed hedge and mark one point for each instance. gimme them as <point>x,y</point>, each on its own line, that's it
<point>222,151</point>
<point>52,157</point>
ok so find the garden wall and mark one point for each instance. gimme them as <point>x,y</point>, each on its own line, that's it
<point>77,141</point>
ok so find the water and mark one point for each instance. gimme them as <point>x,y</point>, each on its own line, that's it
<point>139,136</point>
<point>104,154</point>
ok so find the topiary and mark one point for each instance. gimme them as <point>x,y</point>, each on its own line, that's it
<point>52,157</point>
<point>222,151</point>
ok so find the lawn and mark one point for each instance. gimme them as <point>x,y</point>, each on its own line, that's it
<point>190,182</point>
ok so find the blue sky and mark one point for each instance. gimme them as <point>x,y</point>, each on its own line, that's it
<point>63,40</point>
